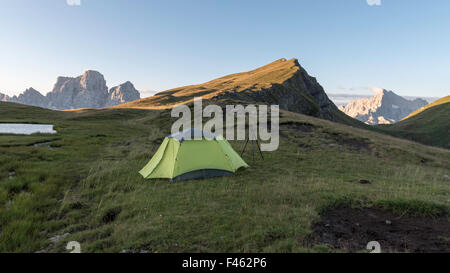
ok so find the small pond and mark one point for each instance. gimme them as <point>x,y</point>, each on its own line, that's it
<point>26,129</point>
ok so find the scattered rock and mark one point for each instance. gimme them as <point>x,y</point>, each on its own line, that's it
<point>388,222</point>
<point>143,251</point>
<point>446,176</point>
<point>43,144</point>
<point>126,251</point>
<point>12,174</point>
<point>58,238</point>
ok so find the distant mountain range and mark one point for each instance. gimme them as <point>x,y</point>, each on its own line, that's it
<point>385,107</point>
<point>86,91</point>
<point>344,99</point>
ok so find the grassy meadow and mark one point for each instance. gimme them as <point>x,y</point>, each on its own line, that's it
<point>85,184</point>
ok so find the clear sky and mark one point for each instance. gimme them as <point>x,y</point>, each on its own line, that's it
<point>349,45</point>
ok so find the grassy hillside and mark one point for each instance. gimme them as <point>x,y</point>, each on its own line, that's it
<point>263,77</point>
<point>440,101</point>
<point>85,184</point>
<point>429,125</point>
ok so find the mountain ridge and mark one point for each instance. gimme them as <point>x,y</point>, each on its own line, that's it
<point>283,82</point>
<point>88,90</point>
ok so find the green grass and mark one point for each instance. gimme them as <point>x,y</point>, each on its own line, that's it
<point>89,185</point>
<point>429,126</point>
<point>440,101</point>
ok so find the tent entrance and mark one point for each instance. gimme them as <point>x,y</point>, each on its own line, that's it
<point>201,174</point>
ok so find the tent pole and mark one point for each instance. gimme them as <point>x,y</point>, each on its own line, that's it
<point>259,148</point>
<point>245,145</point>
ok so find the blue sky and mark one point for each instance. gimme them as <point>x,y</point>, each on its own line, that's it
<point>348,45</point>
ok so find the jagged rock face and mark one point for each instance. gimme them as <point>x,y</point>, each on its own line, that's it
<point>4,97</point>
<point>31,97</point>
<point>86,91</point>
<point>384,108</point>
<point>122,94</point>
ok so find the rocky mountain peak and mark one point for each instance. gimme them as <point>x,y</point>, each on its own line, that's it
<point>122,93</point>
<point>385,107</point>
<point>4,97</point>
<point>31,97</point>
<point>93,80</point>
<point>88,90</point>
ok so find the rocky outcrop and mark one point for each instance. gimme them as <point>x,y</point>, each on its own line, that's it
<point>122,94</point>
<point>384,108</point>
<point>31,97</point>
<point>4,97</point>
<point>86,91</point>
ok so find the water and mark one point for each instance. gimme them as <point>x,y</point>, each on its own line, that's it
<point>26,129</point>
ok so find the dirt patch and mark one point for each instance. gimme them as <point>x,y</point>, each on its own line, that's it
<point>301,127</point>
<point>111,214</point>
<point>349,141</point>
<point>351,230</point>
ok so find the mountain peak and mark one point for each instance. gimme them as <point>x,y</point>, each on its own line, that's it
<point>122,93</point>
<point>31,90</point>
<point>88,90</point>
<point>92,73</point>
<point>384,108</point>
<point>283,82</point>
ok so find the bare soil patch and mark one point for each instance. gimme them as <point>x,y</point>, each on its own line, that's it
<point>351,229</point>
<point>301,127</point>
<point>349,141</point>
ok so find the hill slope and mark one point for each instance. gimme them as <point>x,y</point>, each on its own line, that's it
<point>84,184</point>
<point>436,103</point>
<point>283,82</point>
<point>429,126</point>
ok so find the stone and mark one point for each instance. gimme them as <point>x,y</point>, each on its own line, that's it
<point>364,181</point>
<point>58,238</point>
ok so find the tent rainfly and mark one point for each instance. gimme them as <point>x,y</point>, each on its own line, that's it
<point>182,157</point>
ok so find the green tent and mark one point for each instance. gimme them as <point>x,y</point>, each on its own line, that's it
<point>181,157</point>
